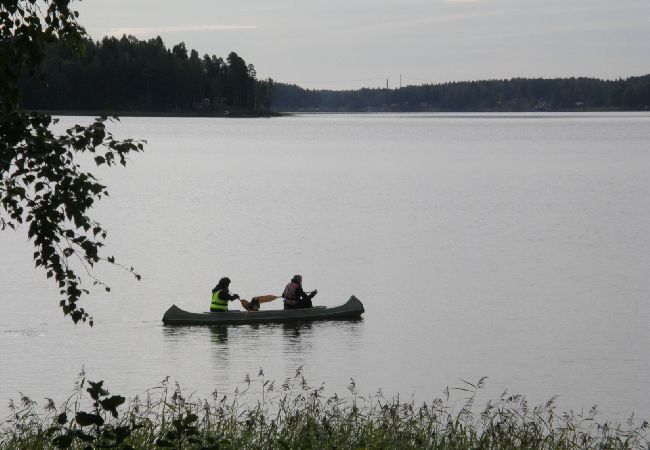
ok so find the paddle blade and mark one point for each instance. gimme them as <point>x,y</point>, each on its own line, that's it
<point>246,304</point>
<point>265,298</point>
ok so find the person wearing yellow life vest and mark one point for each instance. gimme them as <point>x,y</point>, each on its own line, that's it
<point>221,296</point>
<point>294,297</point>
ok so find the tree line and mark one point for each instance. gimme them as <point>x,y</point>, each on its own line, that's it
<point>132,75</point>
<point>517,94</point>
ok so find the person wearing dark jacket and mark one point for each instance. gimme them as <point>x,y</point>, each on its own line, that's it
<point>295,297</point>
<point>221,296</point>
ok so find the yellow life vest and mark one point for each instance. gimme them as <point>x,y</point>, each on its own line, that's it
<point>218,304</point>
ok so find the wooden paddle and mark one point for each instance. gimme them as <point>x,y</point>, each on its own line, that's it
<point>260,299</point>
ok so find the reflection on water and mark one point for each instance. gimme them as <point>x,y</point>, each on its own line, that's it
<point>297,338</point>
<point>231,351</point>
<point>21,332</point>
<point>219,335</point>
<point>292,333</point>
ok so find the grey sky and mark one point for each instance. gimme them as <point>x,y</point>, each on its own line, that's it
<point>341,44</point>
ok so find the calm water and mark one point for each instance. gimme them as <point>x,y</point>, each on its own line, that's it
<point>509,246</point>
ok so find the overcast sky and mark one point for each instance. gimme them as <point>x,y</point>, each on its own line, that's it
<point>340,44</point>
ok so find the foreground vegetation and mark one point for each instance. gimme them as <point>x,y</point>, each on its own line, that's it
<point>264,414</point>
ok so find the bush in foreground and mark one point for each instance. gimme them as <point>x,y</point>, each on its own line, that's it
<point>295,415</point>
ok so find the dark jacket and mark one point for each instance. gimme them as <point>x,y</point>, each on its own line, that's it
<point>225,293</point>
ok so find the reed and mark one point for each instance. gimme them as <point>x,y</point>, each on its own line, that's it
<point>264,414</point>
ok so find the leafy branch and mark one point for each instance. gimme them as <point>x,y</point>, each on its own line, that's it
<point>42,184</point>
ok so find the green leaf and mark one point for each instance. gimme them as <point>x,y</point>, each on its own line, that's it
<point>62,418</point>
<point>190,418</point>
<point>76,316</point>
<point>96,389</point>
<point>121,433</point>
<point>84,437</point>
<point>85,419</point>
<point>63,441</point>
<point>111,403</point>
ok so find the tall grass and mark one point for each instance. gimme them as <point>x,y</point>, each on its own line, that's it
<point>293,414</point>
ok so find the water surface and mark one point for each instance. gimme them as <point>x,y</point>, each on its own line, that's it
<point>512,246</point>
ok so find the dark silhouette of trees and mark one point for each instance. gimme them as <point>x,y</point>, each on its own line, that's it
<point>130,75</point>
<point>517,94</point>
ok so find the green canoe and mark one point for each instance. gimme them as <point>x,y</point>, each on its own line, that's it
<point>352,309</point>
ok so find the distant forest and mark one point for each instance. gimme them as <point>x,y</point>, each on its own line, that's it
<point>131,75</point>
<point>518,94</point>
<point>128,75</point>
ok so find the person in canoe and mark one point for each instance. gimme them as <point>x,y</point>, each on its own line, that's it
<point>221,296</point>
<point>294,297</point>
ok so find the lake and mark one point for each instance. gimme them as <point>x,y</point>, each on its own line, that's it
<point>512,246</point>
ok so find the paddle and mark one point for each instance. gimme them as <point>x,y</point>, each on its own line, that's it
<point>248,306</point>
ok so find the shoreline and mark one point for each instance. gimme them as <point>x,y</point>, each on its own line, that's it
<point>269,114</point>
<point>95,113</point>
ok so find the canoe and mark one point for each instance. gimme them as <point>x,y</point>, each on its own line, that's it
<point>352,309</point>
